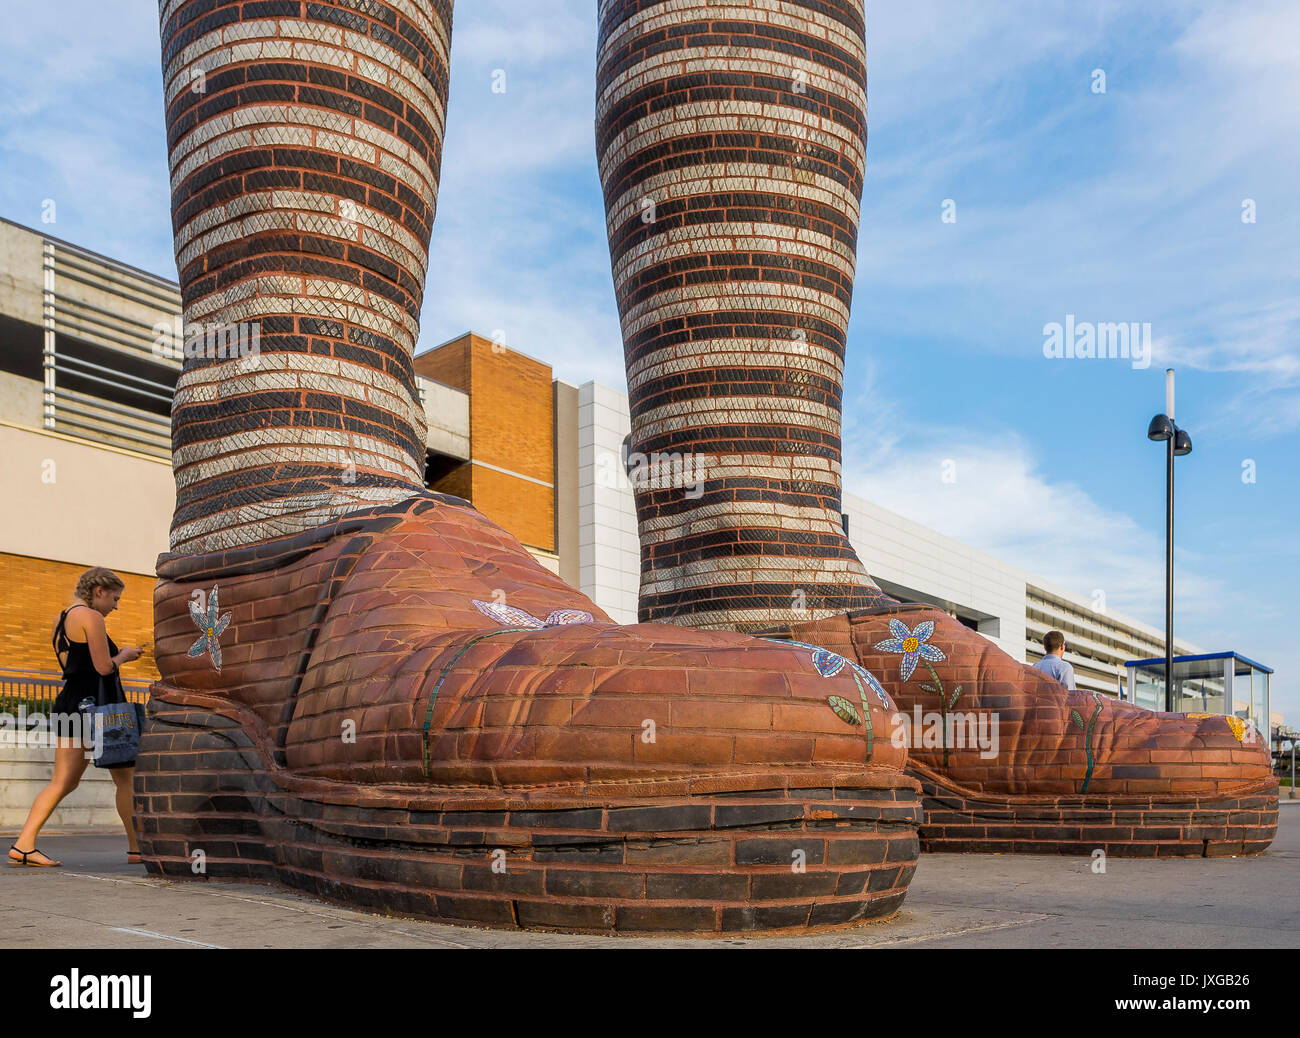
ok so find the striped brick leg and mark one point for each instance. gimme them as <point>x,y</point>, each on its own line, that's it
<point>731,139</point>
<point>305,142</point>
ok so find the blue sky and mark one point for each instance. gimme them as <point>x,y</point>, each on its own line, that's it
<point>1122,206</point>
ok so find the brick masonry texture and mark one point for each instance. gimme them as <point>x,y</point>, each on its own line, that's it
<point>367,690</point>
<point>731,140</point>
<point>359,694</point>
<point>465,737</point>
<point>1120,826</point>
<point>37,590</point>
<point>1072,771</point>
<point>762,859</point>
<point>351,632</point>
<point>305,143</point>
<point>512,426</point>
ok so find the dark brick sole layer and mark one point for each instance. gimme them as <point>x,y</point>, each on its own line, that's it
<point>958,819</point>
<point>761,860</point>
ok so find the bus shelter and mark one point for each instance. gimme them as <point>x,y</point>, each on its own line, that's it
<point>1213,683</point>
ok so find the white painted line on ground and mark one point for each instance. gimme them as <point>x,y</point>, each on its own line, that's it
<point>166,937</point>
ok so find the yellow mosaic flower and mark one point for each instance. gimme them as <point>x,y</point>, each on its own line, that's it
<point>1237,725</point>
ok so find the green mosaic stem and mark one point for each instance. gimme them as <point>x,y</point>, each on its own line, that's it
<point>1087,741</point>
<point>433,696</point>
<point>866,716</point>
<point>943,708</point>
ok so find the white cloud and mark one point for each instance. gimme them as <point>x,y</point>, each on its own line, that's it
<point>1119,207</point>
<point>1003,503</point>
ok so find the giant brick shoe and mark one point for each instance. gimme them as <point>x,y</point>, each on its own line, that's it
<point>1056,771</point>
<point>374,693</point>
<point>357,713</point>
<point>732,194</point>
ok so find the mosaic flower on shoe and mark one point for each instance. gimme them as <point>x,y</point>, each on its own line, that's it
<point>211,623</point>
<point>510,616</point>
<point>912,644</point>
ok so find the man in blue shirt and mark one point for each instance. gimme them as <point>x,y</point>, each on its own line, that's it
<point>1054,662</point>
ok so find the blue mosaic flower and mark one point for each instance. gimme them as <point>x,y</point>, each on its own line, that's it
<point>912,644</point>
<point>510,616</point>
<point>212,624</point>
<point>875,686</point>
<point>829,664</point>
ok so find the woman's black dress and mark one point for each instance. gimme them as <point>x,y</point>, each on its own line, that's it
<point>80,678</point>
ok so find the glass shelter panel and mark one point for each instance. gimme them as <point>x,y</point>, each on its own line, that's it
<point>1223,683</point>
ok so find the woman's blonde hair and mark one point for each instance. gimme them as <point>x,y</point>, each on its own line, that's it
<point>98,577</point>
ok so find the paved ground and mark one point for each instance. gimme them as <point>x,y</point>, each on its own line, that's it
<point>956,901</point>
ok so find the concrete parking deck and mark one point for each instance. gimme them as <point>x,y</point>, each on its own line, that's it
<point>956,901</point>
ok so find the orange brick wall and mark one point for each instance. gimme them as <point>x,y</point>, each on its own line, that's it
<point>448,364</point>
<point>457,483</point>
<point>523,508</point>
<point>36,590</point>
<point>512,426</point>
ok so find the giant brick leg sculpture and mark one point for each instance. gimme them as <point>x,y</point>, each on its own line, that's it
<point>374,693</point>
<point>731,138</point>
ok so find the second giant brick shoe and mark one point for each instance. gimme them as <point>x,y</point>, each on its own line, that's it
<point>1069,771</point>
<point>732,198</point>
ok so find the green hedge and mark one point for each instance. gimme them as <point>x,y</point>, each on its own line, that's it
<point>34,706</point>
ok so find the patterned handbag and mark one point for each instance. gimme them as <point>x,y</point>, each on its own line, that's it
<point>117,724</point>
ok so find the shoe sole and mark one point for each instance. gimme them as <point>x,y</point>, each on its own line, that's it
<point>702,860</point>
<point>1131,826</point>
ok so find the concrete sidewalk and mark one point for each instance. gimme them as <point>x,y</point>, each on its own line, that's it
<point>956,901</point>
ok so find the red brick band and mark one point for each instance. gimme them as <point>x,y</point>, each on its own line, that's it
<point>732,140</point>
<point>305,148</point>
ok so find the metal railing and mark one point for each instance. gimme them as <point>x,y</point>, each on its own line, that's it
<point>37,689</point>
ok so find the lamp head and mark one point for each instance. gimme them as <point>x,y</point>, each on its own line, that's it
<point>1182,443</point>
<point>1161,428</point>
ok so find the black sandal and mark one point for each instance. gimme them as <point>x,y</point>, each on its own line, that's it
<point>32,864</point>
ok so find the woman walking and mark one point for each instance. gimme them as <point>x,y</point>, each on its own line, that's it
<point>89,659</point>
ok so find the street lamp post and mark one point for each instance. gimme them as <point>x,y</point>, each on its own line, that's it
<point>1177,443</point>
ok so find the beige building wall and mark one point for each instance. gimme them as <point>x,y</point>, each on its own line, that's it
<point>24,772</point>
<point>446,412</point>
<point>21,279</point>
<point>71,501</point>
<point>21,400</point>
<point>566,482</point>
